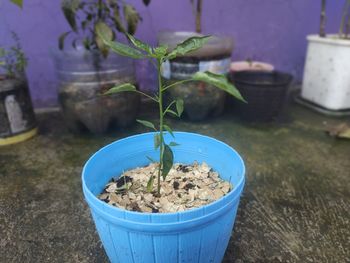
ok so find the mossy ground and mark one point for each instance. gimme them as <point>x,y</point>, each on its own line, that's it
<point>295,207</point>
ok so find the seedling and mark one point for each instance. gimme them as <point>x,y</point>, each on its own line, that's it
<point>157,56</point>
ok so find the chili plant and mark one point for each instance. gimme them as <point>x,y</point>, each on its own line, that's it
<point>158,55</point>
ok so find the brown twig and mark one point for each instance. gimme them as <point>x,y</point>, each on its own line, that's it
<point>343,20</point>
<point>199,16</point>
<point>323,19</point>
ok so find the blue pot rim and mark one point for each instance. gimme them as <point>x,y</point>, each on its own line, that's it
<point>102,208</point>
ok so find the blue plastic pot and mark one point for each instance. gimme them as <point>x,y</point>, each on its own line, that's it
<point>197,235</point>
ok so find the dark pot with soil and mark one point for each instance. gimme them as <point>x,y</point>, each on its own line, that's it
<point>265,93</point>
<point>201,100</point>
<point>17,119</point>
<point>83,76</point>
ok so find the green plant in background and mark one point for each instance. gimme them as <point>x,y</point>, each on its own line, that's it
<point>13,61</point>
<point>19,3</point>
<point>85,16</point>
<point>157,56</point>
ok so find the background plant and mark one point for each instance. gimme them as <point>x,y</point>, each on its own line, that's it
<point>19,3</point>
<point>84,16</point>
<point>157,56</point>
<point>12,60</point>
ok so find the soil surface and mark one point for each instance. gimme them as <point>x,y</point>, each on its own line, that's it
<point>185,187</point>
<point>295,206</point>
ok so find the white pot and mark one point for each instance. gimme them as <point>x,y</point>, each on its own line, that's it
<point>327,72</point>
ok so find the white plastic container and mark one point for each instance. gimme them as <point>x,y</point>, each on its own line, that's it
<point>327,73</point>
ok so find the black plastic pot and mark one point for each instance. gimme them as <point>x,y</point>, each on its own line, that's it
<point>17,119</point>
<point>265,93</point>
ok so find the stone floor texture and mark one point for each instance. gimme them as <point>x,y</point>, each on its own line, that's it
<point>295,207</point>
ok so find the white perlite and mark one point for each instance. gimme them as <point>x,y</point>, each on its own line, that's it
<point>185,187</point>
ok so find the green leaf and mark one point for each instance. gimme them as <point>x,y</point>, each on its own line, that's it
<point>190,44</point>
<point>86,43</point>
<point>150,184</point>
<point>107,33</point>
<point>173,113</point>
<point>139,44</point>
<point>173,144</point>
<point>168,160</point>
<point>120,88</point>
<point>179,107</point>
<point>119,48</point>
<point>69,8</point>
<point>147,124</point>
<point>117,20</point>
<point>219,81</point>
<point>61,40</point>
<point>157,141</point>
<point>132,18</point>
<point>169,130</point>
<point>161,51</point>
<point>19,3</point>
<point>151,159</point>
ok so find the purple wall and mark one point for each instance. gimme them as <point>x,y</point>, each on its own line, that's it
<point>270,30</point>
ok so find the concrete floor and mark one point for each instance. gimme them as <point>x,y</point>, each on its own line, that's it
<point>295,207</point>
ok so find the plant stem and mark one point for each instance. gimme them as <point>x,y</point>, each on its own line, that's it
<point>343,20</point>
<point>199,16</point>
<point>176,83</point>
<point>323,19</point>
<point>161,117</point>
<point>347,28</point>
<point>99,13</point>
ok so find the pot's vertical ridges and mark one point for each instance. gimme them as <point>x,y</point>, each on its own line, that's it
<point>106,238</point>
<point>222,238</point>
<point>189,239</point>
<point>132,250</point>
<point>141,242</point>
<point>121,243</point>
<point>166,245</point>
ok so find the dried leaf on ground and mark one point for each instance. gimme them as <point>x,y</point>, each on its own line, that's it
<point>340,131</point>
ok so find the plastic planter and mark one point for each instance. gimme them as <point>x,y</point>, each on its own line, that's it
<point>83,76</point>
<point>197,235</point>
<point>265,92</point>
<point>201,100</point>
<point>326,76</point>
<point>17,118</point>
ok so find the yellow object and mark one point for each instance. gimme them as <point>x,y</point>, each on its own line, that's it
<point>18,138</point>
